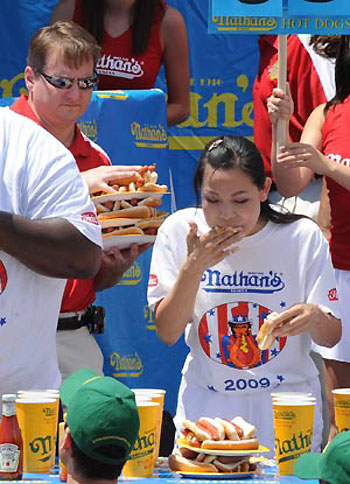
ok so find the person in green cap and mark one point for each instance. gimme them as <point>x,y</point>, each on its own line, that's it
<point>330,467</point>
<point>101,427</point>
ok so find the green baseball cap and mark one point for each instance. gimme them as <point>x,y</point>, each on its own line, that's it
<point>333,465</point>
<point>101,412</point>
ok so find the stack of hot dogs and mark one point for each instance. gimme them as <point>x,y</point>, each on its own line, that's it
<point>132,209</point>
<point>215,434</point>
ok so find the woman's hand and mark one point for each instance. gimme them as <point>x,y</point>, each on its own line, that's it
<point>98,179</point>
<point>280,105</point>
<point>295,155</point>
<point>206,250</point>
<point>298,319</point>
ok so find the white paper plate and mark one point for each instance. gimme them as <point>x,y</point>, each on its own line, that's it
<point>217,475</point>
<point>124,241</point>
<point>261,449</point>
<point>126,196</point>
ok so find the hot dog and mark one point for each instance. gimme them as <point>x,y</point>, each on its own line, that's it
<point>213,427</point>
<point>246,444</point>
<point>210,463</point>
<point>265,337</point>
<point>230,430</point>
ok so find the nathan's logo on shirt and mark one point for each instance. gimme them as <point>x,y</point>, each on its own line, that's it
<point>338,159</point>
<point>332,294</point>
<point>90,217</point>
<point>3,278</point>
<point>252,282</point>
<point>228,332</point>
<point>149,136</point>
<point>119,67</point>
<point>153,280</point>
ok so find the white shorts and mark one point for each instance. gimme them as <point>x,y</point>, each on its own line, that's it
<point>195,402</point>
<point>76,349</point>
<point>306,203</point>
<point>341,351</point>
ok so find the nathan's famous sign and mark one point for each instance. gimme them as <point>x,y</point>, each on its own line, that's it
<point>279,16</point>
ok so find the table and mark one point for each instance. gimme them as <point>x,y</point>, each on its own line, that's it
<point>164,476</point>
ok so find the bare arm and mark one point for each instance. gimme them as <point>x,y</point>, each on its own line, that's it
<point>174,312</point>
<point>289,182</point>
<point>51,246</point>
<point>174,36</point>
<point>63,11</point>
<point>324,213</point>
<point>325,329</point>
<point>98,179</point>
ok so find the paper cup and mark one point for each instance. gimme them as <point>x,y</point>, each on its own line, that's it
<point>156,395</point>
<point>35,394</point>
<point>341,398</point>
<point>37,419</point>
<point>291,394</point>
<point>141,458</point>
<point>293,426</point>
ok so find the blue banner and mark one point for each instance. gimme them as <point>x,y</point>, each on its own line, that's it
<point>296,16</point>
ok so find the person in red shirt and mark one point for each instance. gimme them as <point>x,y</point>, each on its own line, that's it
<point>136,37</point>
<point>60,78</point>
<point>310,74</point>
<point>324,148</point>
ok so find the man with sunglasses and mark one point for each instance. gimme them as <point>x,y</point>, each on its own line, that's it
<point>60,77</point>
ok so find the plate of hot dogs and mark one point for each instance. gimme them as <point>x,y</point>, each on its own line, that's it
<point>216,447</point>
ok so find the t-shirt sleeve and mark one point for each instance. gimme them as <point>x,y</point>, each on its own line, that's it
<point>320,283</point>
<point>165,265</point>
<point>53,187</point>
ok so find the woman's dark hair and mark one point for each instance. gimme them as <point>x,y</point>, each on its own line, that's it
<point>230,152</point>
<point>142,16</point>
<point>325,45</point>
<point>89,468</point>
<point>342,73</point>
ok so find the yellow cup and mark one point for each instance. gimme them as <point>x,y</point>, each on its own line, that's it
<point>141,458</point>
<point>293,426</point>
<point>158,396</point>
<point>341,398</point>
<point>37,419</point>
<point>34,394</point>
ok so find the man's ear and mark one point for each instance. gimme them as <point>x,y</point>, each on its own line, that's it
<point>265,191</point>
<point>29,77</point>
<point>66,439</point>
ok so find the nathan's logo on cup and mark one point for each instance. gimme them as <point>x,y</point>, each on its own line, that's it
<point>144,445</point>
<point>289,449</point>
<point>42,446</point>
<point>285,415</point>
<point>342,403</point>
<point>49,412</point>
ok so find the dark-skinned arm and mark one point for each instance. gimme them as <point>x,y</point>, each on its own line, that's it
<point>52,247</point>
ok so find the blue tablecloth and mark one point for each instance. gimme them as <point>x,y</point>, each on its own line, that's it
<point>164,476</point>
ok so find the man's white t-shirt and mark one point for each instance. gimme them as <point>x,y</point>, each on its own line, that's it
<point>38,179</point>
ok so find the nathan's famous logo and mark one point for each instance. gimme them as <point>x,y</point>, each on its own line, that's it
<point>227,23</point>
<point>148,313</point>
<point>344,403</point>
<point>144,444</point>
<point>89,128</point>
<point>43,446</point>
<point>119,67</point>
<point>49,412</point>
<point>13,87</point>
<point>284,414</point>
<point>289,449</point>
<point>228,332</point>
<point>3,278</point>
<point>126,365</point>
<point>149,136</point>
<point>239,282</point>
<point>132,276</point>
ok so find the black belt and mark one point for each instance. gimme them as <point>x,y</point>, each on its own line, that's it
<point>75,322</point>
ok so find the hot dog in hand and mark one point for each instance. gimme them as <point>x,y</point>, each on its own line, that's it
<point>265,337</point>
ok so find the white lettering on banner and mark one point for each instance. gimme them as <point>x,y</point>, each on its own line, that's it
<point>119,67</point>
<point>338,159</point>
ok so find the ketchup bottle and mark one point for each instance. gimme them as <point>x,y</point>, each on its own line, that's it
<point>11,445</point>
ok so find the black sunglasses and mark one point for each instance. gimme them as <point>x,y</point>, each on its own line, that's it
<point>67,82</point>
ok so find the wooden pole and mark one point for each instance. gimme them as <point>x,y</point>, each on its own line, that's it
<point>282,138</point>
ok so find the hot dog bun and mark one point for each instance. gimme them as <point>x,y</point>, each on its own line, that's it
<point>140,211</point>
<point>248,444</point>
<point>264,337</point>
<point>249,431</point>
<point>179,463</point>
<point>214,427</point>
<point>124,231</point>
<point>230,430</point>
<point>200,433</point>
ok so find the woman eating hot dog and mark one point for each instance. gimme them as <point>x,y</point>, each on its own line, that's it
<point>218,271</point>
